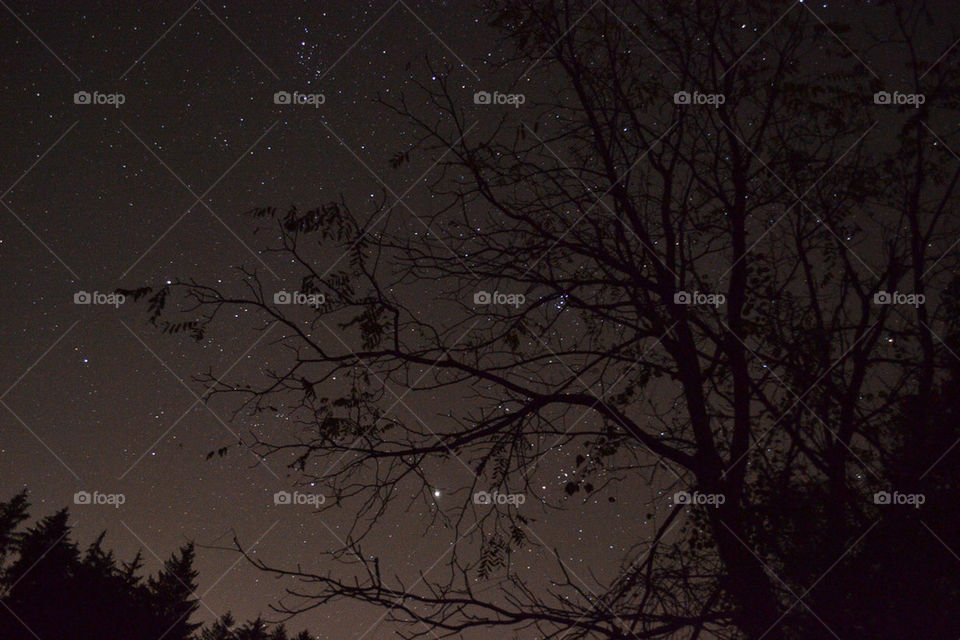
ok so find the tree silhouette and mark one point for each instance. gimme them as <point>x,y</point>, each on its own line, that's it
<point>172,590</point>
<point>49,590</point>
<point>611,203</point>
<point>42,582</point>
<point>226,629</point>
<point>12,514</point>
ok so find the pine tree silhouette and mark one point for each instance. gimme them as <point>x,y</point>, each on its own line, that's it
<point>172,593</point>
<point>11,515</point>
<point>51,591</point>
<point>41,584</point>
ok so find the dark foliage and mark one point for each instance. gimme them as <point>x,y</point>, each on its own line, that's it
<point>51,590</point>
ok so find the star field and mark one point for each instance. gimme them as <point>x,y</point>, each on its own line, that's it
<point>99,197</point>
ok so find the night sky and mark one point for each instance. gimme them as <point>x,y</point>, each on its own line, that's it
<point>98,197</point>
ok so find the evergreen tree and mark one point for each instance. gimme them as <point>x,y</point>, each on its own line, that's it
<point>40,586</point>
<point>253,630</point>
<point>52,591</point>
<point>172,593</point>
<point>12,513</point>
<point>222,629</point>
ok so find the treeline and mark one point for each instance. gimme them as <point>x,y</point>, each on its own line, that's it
<point>51,590</point>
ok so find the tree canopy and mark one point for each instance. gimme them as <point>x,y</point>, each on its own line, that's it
<point>51,590</point>
<point>750,299</point>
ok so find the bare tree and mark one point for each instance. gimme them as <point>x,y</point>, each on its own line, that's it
<point>711,230</point>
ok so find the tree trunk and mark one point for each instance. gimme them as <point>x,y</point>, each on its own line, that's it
<point>747,582</point>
